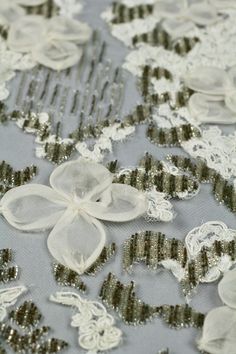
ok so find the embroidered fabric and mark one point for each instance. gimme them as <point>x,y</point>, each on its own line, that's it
<point>69,8</point>
<point>97,331</point>
<point>219,329</point>
<point>10,62</point>
<point>159,208</point>
<point>115,132</point>
<point>8,297</point>
<point>201,237</point>
<point>81,194</point>
<point>216,149</point>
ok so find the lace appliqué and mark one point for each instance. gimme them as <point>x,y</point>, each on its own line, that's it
<point>97,331</point>
<point>8,297</point>
<point>216,149</point>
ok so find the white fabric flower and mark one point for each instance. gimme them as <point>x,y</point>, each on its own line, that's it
<point>219,329</point>
<point>81,193</point>
<point>57,39</point>
<point>97,331</point>
<point>8,297</point>
<point>30,2</point>
<point>216,100</point>
<point>180,17</point>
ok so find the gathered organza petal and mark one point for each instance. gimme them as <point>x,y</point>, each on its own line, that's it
<point>63,28</point>
<point>81,179</point>
<point>32,207</point>
<point>119,203</point>
<point>25,32</point>
<point>77,240</point>
<point>169,8</point>
<point>209,80</point>
<point>203,14</point>
<point>210,109</point>
<point>219,331</point>
<point>10,12</point>
<point>177,27</point>
<point>224,4</point>
<point>230,101</point>
<point>57,55</point>
<point>227,288</point>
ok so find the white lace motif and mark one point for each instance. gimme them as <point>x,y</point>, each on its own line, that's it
<point>8,297</point>
<point>97,331</point>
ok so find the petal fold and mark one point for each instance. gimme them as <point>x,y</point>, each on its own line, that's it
<point>227,288</point>
<point>119,203</point>
<point>32,207</point>
<point>77,240</point>
<point>203,14</point>
<point>209,80</point>
<point>80,179</point>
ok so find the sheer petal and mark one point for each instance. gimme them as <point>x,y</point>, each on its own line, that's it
<point>232,78</point>
<point>77,240</point>
<point>25,32</point>
<point>227,288</point>
<point>30,2</point>
<point>177,27</point>
<point>80,179</point>
<point>57,55</point>
<point>230,101</point>
<point>218,329</point>
<point>208,109</point>
<point>203,14</point>
<point>63,28</point>
<point>10,12</point>
<point>170,8</point>
<point>209,80</point>
<point>119,203</point>
<point>224,4</point>
<point>32,207</point>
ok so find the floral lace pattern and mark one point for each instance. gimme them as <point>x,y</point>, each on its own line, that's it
<point>96,327</point>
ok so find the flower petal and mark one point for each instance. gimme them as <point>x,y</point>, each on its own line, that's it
<point>80,179</point>
<point>25,32</point>
<point>32,207</point>
<point>119,203</point>
<point>219,331</point>
<point>30,2</point>
<point>177,27</point>
<point>206,109</point>
<point>62,28</point>
<point>203,14</point>
<point>169,8</point>
<point>10,12</point>
<point>77,240</point>
<point>224,4</point>
<point>57,55</point>
<point>227,288</point>
<point>209,80</point>
<point>230,101</point>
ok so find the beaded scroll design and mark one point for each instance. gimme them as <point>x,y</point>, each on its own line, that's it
<point>29,337</point>
<point>207,252</point>
<point>69,278</point>
<point>9,178</point>
<point>223,190</point>
<point>152,173</point>
<point>123,300</point>
<point>7,273</point>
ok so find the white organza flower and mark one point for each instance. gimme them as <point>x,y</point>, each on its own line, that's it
<point>224,4</point>
<point>97,331</point>
<point>8,297</point>
<point>216,100</point>
<point>81,193</point>
<point>30,2</point>
<point>53,43</point>
<point>219,329</point>
<point>180,17</point>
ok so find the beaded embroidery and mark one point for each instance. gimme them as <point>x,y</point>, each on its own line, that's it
<point>122,299</point>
